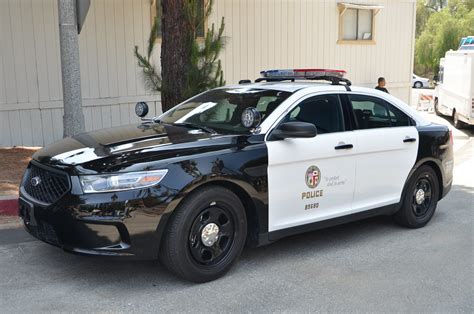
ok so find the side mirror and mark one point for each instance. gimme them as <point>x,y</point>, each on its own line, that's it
<point>141,109</point>
<point>294,130</point>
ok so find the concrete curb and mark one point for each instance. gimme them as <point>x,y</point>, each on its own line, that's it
<point>8,197</point>
<point>9,207</point>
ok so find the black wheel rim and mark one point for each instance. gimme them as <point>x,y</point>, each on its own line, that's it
<point>206,254</point>
<point>422,196</point>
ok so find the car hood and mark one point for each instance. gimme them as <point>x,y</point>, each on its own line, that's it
<point>129,148</point>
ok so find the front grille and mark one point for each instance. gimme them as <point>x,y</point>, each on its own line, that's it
<point>44,185</point>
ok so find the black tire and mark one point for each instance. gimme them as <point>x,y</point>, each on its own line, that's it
<point>418,85</point>
<point>183,250</point>
<point>435,106</point>
<point>414,214</point>
<point>457,124</point>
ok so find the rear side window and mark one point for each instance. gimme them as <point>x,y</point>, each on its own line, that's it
<point>398,117</point>
<point>323,111</point>
<point>371,113</point>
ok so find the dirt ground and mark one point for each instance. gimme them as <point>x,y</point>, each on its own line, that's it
<point>13,162</point>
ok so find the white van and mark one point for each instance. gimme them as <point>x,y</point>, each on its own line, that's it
<point>454,94</point>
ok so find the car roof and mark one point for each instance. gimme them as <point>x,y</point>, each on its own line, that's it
<point>306,87</point>
<point>300,88</point>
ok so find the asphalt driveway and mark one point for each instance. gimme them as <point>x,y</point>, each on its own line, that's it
<point>367,266</point>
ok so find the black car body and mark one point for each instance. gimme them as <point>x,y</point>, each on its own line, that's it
<point>134,222</point>
<point>108,223</point>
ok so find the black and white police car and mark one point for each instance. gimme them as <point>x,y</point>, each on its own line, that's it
<point>238,165</point>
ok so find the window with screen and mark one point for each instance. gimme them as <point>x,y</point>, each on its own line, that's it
<point>357,23</point>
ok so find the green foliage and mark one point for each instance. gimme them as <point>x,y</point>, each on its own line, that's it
<point>205,69</point>
<point>423,13</point>
<point>443,31</point>
<point>153,35</point>
<point>435,5</point>
<point>151,77</point>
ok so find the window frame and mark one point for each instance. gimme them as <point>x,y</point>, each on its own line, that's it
<point>342,112</point>
<point>154,3</point>
<point>385,103</point>
<point>342,7</point>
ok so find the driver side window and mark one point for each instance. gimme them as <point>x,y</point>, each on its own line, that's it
<point>323,111</point>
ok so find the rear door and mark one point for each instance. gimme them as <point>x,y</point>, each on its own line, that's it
<point>387,146</point>
<point>312,179</point>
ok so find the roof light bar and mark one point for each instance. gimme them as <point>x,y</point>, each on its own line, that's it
<point>302,73</point>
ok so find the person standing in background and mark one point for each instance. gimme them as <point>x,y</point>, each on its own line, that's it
<point>381,85</point>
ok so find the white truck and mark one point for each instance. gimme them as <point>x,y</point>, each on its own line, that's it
<point>454,93</point>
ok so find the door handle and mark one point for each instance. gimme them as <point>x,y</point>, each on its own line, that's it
<point>344,146</point>
<point>409,140</point>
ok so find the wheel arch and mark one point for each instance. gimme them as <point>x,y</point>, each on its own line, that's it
<point>255,217</point>
<point>435,165</point>
<point>253,225</point>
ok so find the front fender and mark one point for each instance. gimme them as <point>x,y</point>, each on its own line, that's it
<point>243,171</point>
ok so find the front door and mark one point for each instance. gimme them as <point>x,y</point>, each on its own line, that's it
<point>312,179</point>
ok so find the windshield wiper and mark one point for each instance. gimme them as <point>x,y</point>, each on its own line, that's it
<point>196,126</point>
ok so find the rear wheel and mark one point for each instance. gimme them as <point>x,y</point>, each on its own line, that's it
<point>205,235</point>
<point>420,199</point>
<point>456,122</point>
<point>436,109</point>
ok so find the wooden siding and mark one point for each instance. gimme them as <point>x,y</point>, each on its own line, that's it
<point>30,74</point>
<point>260,34</point>
<point>268,34</point>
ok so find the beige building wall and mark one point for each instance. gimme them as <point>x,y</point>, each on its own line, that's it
<point>271,34</point>
<point>260,34</point>
<point>30,74</point>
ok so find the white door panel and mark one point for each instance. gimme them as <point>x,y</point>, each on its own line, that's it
<point>383,163</point>
<point>292,201</point>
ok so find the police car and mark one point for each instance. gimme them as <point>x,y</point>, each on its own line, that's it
<point>295,151</point>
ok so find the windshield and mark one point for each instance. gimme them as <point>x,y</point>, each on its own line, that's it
<point>221,109</point>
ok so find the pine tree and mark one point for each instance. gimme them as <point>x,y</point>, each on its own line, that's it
<point>205,70</point>
<point>199,68</point>
<point>151,77</point>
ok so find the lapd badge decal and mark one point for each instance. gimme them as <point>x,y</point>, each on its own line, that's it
<point>313,176</point>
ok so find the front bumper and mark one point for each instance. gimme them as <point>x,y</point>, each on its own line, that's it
<point>127,223</point>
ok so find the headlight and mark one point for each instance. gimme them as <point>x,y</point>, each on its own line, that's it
<point>123,181</point>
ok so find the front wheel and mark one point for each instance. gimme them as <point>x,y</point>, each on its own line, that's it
<point>420,199</point>
<point>418,85</point>
<point>205,235</point>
